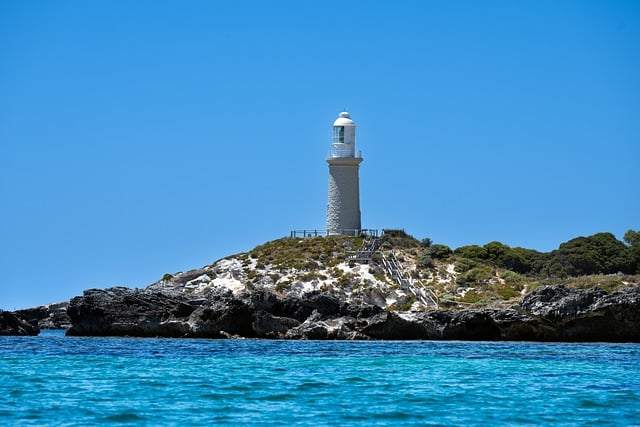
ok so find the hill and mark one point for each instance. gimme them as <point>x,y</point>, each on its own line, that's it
<point>398,272</point>
<point>379,287</point>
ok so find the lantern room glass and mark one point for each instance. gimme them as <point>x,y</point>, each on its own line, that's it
<point>338,135</point>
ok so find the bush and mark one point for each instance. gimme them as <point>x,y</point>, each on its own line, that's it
<point>426,262</point>
<point>507,292</point>
<point>471,251</point>
<point>438,251</point>
<point>601,253</point>
<point>510,277</point>
<point>476,276</point>
<point>471,297</point>
<point>463,266</point>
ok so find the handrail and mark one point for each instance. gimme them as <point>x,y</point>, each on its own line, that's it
<point>394,269</point>
<point>343,231</point>
<point>343,150</point>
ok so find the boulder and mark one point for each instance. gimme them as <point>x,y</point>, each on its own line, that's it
<point>318,327</point>
<point>12,324</point>
<point>49,316</point>
<point>389,325</point>
<point>222,316</point>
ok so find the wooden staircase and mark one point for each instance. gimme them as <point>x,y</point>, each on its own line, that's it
<point>365,252</point>
<point>393,269</point>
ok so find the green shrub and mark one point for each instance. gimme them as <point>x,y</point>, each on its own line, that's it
<point>463,266</point>
<point>507,292</point>
<point>510,277</point>
<point>471,297</point>
<point>438,251</point>
<point>476,276</point>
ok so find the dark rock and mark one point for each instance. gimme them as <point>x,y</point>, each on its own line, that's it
<point>301,308</point>
<point>292,307</point>
<point>559,301</point>
<point>266,325</point>
<point>471,325</point>
<point>122,311</point>
<point>50,316</point>
<point>548,314</point>
<point>517,326</point>
<point>309,330</point>
<point>587,314</point>
<point>223,316</point>
<point>388,325</point>
<point>316,327</point>
<point>144,313</point>
<point>359,311</point>
<point>325,304</point>
<point>468,325</point>
<point>262,300</point>
<point>13,324</point>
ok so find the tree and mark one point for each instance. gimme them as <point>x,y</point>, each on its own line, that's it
<point>496,252</point>
<point>601,253</point>
<point>472,252</point>
<point>632,238</point>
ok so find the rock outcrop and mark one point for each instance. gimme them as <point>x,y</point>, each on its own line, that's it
<point>49,316</point>
<point>587,314</point>
<point>12,324</point>
<point>554,313</point>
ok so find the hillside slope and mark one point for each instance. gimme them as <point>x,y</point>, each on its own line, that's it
<point>300,266</point>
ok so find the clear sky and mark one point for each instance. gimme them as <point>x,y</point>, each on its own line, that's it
<point>139,138</point>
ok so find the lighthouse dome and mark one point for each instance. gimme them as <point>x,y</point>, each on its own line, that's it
<point>344,120</point>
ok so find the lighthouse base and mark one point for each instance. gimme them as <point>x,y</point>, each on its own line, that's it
<point>343,205</point>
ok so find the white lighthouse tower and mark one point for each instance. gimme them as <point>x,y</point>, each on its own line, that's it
<point>343,207</point>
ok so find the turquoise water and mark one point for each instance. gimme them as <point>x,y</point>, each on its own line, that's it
<point>57,380</point>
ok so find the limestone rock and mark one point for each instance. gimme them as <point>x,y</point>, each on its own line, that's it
<point>588,314</point>
<point>49,316</point>
<point>13,324</point>
<point>548,314</point>
<point>318,327</point>
<point>121,311</point>
<point>266,325</point>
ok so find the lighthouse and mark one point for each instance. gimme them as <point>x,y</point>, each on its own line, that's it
<point>343,206</point>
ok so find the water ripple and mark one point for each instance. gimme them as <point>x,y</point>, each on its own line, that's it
<point>57,380</point>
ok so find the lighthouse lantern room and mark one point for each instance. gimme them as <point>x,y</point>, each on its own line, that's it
<point>343,207</point>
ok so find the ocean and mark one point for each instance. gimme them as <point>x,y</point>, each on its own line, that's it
<point>67,381</point>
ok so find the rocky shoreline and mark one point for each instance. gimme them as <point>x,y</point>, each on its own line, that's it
<point>550,313</point>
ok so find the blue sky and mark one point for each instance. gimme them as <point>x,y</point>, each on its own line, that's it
<point>150,137</point>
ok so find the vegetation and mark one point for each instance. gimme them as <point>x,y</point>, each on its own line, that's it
<point>304,254</point>
<point>601,253</point>
<point>398,239</point>
<point>480,275</point>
